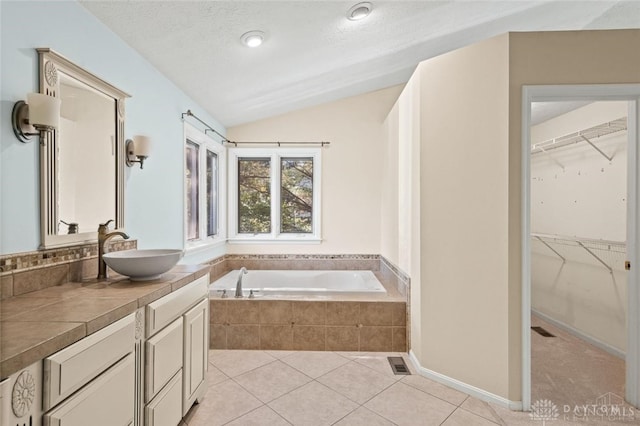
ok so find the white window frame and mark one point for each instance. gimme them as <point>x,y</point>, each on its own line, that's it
<point>275,155</point>
<point>206,143</point>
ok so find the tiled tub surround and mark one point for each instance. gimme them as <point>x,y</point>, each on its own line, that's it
<point>22,273</point>
<point>315,325</point>
<point>39,323</point>
<point>332,323</point>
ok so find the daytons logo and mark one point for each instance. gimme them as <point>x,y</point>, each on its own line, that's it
<point>544,410</point>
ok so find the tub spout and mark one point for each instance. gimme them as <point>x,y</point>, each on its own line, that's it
<point>243,271</point>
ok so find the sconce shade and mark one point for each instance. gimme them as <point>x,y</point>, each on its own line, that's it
<point>138,150</point>
<point>44,111</point>
<point>141,145</point>
<point>41,113</point>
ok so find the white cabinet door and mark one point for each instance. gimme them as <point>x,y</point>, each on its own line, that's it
<point>196,336</point>
<point>165,408</point>
<point>106,401</point>
<point>164,357</point>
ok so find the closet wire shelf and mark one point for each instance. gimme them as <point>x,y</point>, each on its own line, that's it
<point>609,254</point>
<point>586,136</point>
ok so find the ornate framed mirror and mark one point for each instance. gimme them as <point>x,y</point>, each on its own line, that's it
<point>82,162</point>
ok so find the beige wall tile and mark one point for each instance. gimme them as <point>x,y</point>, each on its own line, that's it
<point>6,286</point>
<point>83,269</point>
<point>276,337</point>
<point>398,314</point>
<point>217,336</point>
<point>376,339</point>
<point>342,338</point>
<point>309,338</point>
<point>309,313</point>
<point>243,337</point>
<point>276,312</point>
<point>375,313</point>
<point>399,339</point>
<point>243,311</point>
<point>25,282</point>
<point>218,311</point>
<point>343,313</point>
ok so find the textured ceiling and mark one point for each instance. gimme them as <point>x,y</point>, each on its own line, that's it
<point>312,53</point>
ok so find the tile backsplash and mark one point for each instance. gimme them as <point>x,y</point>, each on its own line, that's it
<point>22,273</point>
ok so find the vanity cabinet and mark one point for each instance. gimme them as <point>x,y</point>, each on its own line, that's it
<point>93,380</point>
<point>176,351</point>
<point>147,368</point>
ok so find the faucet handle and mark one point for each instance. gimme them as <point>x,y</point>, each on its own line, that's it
<point>104,227</point>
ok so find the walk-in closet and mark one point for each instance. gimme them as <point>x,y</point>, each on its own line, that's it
<point>578,251</point>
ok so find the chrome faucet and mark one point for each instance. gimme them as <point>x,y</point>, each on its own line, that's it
<point>243,271</point>
<point>103,236</point>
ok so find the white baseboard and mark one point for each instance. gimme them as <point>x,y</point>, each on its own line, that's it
<point>464,387</point>
<point>579,334</point>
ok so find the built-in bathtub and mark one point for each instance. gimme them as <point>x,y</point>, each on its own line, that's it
<point>307,310</point>
<point>298,283</point>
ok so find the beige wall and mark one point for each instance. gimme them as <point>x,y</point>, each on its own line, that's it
<point>351,169</point>
<point>464,212</point>
<point>570,57</point>
<point>465,224</point>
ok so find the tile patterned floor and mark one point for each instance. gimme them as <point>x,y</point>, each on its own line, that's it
<point>275,388</point>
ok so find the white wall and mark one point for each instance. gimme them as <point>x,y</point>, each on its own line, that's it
<point>587,199</point>
<point>351,169</point>
<point>154,196</point>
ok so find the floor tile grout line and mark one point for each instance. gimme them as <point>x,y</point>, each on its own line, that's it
<point>430,394</point>
<point>494,421</point>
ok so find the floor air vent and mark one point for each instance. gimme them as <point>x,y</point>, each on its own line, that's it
<point>398,365</point>
<point>541,331</point>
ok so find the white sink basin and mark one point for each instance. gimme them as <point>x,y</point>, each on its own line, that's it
<point>142,265</point>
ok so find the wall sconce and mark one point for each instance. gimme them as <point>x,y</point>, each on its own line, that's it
<point>137,149</point>
<point>41,113</point>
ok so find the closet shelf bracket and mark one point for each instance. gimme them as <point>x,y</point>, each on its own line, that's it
<point>596,256</point>
<point>596,148</point>
<point>552,158</point>
<point>551,248</point>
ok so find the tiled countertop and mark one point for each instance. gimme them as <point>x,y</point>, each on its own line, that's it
<point>38,324</point>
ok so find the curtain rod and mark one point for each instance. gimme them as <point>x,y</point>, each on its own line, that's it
<point>321,143</point>
<point>235,143</point>
<point>190,114</point>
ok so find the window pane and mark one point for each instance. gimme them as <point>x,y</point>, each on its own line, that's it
<point>254,196</point>
<point>296,195</point>
<point>212,193</point>
<point>193,191</point>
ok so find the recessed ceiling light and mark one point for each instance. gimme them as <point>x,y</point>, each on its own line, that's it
<point>252,38</point>
<point>359,11</point>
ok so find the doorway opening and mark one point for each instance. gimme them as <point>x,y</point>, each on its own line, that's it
<point>580,185</point>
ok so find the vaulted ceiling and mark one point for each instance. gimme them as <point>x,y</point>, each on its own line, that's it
<point>312,53</point>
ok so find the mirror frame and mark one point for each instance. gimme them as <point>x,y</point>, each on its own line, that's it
<point>50,64</point>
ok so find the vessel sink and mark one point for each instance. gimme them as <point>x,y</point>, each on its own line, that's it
<point>142,265</point>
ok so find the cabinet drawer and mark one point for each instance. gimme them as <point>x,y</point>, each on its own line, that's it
<point>164,357</point>
<point>163,311</point>
<point>166,408</point>
<point>71,368</point>
<point>107,401</point>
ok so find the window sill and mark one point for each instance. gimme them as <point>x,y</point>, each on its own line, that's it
<point>266,240</point>
<point>200,246</point>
